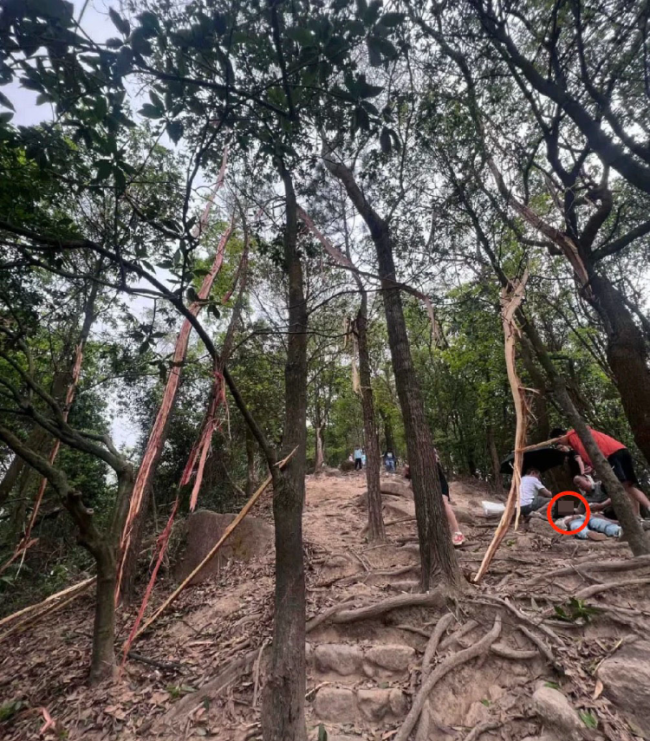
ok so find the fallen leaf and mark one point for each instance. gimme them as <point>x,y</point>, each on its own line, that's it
<point>598,689</point>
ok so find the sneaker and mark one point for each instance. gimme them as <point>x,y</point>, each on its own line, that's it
<point>457,539</point>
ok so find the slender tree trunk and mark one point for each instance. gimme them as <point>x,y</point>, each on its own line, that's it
<point>376,530</point>
<point>494,457</point>
<point>437,553</point>
<point>636,537</point>
<point>284,698</point>
<point>627,354</point>
<point>389,438</point>
<point>102,663</point>
<point>320,452</point>
<point>251,450</point>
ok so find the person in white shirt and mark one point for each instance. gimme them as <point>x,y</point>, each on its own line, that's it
<point>532,493</point>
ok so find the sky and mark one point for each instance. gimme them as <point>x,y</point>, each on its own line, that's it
<point>97,24</point>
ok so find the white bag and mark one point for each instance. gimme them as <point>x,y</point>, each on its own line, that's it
<point>491,509</point>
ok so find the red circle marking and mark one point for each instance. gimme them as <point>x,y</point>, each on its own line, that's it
<point>586,516</point>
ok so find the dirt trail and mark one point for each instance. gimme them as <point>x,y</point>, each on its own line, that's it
<point>363,675</point>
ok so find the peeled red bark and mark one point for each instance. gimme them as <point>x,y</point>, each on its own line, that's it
<point>132,536</point>
<point>283,714</point>
<point>437,555</point>
<point>376,529</point>
<point>627,354</point>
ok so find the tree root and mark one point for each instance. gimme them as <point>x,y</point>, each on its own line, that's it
<point>457,659</point>
<point>631,563</point>
<point>505,652</point>
<point>462,631</point>
<point>479,730</point>
<point>429,653</point>
<point>167,666</point>
<point>319,619</point>
<point>430,599</point>
<point>544,649</point>
<point>487,599</point>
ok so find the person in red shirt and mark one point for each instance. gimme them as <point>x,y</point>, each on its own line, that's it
<point>618,457</point>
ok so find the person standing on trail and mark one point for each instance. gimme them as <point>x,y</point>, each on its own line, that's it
<point>389,461</point>
<point>358,458</point>
<point>618,457</point>
<point>363,458</point>
<point>532,493</point>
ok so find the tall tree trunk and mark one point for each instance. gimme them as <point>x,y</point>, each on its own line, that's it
<point>284,697</point>
<point>320,452</point>
<point>627,354</point>
<point>102,663</point>
<point>636,537</point>
<point>389,438</point>
<point>437,555</point>
<point>251,450</point>
<point>376,530</point>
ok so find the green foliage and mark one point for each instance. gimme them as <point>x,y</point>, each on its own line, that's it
<point>574,610</point>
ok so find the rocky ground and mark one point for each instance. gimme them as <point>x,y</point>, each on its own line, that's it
<point>551,645</point>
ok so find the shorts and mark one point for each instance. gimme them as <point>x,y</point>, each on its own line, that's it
<point>623,466</point>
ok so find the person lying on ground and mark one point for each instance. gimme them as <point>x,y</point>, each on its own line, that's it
<point>618,457</point>
<point>598,528</point>
<point>457,537</point>
<point>533,495</point>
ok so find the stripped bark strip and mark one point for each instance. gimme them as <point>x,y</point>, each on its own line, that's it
<point>511,298</point>
<point>156,437</point>
<point>345,261</point>
<point>80,588</point>
<point>200,450</point>
<point>215,549</point>
<point>205,216</point>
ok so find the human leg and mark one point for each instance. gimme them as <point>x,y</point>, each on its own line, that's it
<point>600,525</point>
<point>456,535</point>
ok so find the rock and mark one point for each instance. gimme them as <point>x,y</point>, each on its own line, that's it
<point>338,657</point>
<point>329,471</point>
<point>539,526</point>
<point>626,679</point>
<point>374,704</point>
<point>391,657</point>
<point>398,703</point>
<point>558,715</point>
<point>476,714</point>
<point>544,737</point>
<point>252,538</point>
<point>397,489</point>
<point>336,704</point>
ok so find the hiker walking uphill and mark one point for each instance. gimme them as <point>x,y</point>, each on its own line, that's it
<point>618,457</point>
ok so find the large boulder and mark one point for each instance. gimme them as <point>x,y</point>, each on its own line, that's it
<point>626,681</point>
<point>390,658</point>
<point>558,715</point>
<point>336,705</point>
<point>341,658</point>
<point>251,539</point>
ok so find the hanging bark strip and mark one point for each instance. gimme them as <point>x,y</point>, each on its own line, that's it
<point>511,298</point>
<point>339,257</point>
<point>215,549</point>
<point>211,422</point>
<point>156,437</point>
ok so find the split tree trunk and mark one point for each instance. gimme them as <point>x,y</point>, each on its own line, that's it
<point>376,530</point>
<point>437,553</point>
<point>284,697</point>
